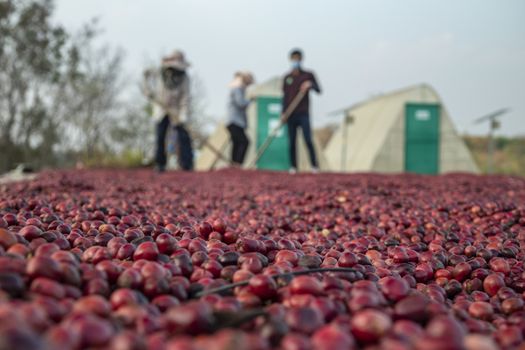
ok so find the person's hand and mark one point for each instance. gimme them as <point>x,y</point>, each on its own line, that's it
<point>307,85</point>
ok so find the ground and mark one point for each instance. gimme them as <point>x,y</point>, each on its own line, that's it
<point>110,258</point>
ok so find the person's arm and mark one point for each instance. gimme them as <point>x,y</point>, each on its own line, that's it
<point>152,91</point>
<point>147,85</point>
<point>285,93</point>
<point>239,99</point>
<point>185,101</point>
<point>315,84</point>
<point>151,88</point>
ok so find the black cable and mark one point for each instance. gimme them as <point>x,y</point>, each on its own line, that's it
<point>279,275</point>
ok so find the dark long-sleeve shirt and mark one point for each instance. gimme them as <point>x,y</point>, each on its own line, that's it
<point>291,87</point>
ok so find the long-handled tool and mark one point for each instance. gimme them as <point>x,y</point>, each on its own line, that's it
<point>194,135</point>
<point>216,160</point>
<point>218,153</point>
<point>284,118</point>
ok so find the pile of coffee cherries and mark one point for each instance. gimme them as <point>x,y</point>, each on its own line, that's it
<point>130,259</point>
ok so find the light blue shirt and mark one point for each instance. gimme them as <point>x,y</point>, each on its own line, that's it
<point>237,107</point>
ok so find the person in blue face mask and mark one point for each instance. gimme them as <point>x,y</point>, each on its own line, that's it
<point>295,81</point>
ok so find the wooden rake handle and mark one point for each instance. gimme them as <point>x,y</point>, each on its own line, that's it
<point>284,118</point>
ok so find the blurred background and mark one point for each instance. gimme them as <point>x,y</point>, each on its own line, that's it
<point>70,70</point>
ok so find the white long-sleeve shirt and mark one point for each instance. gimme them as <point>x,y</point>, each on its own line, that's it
<point>175,102</point>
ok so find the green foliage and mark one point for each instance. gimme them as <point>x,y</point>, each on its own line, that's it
<point>509,154</point>
<point>126,159</point>
<point>60,96</point>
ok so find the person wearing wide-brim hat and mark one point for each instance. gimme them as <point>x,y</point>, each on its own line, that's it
<point>237,121</point>
<point>170,94</point>
<point>176,60</point>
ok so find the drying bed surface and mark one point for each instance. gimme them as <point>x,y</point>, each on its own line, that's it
<point>231,259</point>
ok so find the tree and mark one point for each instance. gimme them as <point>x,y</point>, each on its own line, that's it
<point>36,61</point>
<point>134,130</point>
<point>58,91</point>
<point>200,120</point>
<point>97,100</point>
<point>63,97</point>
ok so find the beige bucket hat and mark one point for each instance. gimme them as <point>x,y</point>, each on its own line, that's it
<point>242,78</point>
<point>176,60</point>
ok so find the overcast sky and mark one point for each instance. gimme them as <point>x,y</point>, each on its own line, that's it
<point>471,51</point>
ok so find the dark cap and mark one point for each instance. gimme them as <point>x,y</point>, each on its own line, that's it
<point>296,52</point>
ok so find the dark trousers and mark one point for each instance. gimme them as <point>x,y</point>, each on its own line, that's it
<point>185,155</point>
<point>240,143</point>
<point>300,121</point>
<point>185,151</point>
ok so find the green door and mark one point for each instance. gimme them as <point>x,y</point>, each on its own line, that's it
<point>422,138</point>
<point>276,156</point>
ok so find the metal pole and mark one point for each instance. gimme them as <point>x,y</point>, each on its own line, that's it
<point>345,142</point>
<point>490,152</point>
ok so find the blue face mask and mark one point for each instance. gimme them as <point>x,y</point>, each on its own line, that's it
<point>296,64</point>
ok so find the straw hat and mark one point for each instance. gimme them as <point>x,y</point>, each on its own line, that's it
<point>242,78</point>
<point>248,77</point>
<point>175,60</point>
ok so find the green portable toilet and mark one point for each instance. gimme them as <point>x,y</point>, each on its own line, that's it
<point>276,156</point>
<point>263,117</point>
<point>422,138</point>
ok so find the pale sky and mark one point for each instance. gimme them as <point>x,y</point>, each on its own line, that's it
<point>471,51</point>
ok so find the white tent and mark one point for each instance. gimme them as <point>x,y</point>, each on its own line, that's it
<point>372,137</point>
<point>220,138</point>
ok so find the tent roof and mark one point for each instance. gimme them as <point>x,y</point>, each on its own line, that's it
<point>373,120</point>
<point>376,134</point>
<point>422,87</point>
<point>270,88</point>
